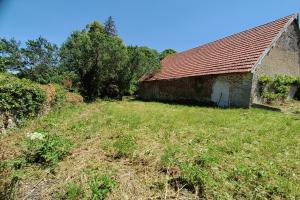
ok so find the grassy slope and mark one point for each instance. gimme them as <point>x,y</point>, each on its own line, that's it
<point>246,153</point>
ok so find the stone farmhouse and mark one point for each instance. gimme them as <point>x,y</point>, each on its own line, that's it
<point>226,72</point>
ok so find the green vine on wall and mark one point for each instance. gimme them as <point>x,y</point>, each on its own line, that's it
<point>277,88</point>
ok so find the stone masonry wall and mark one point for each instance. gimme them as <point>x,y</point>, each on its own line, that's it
<point>224,90</point>
<point>7,121</point>
<point>283,59</point>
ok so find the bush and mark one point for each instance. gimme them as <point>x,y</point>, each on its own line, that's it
<point>60,95</point>
<point>46,148</point>
<point>276,88</point>
<point>20,96</point>
<point>270,96</point>
<point>264,80</point>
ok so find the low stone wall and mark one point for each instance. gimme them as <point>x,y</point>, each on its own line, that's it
<point>223,90</point>
<point>7,121</point>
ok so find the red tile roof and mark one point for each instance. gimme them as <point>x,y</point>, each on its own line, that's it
<point>236,53</point>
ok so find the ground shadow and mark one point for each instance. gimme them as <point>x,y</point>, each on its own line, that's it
<point>189,103</point>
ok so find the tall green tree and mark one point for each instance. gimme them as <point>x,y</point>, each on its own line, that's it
<point>142,61</point>
<point>166,53</point>
<point>10,55</point>
<point>41,60</point>
<point>110,27</point>
<point>97,58</point>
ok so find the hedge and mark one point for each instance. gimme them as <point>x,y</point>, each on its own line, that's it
<point>20,97</point>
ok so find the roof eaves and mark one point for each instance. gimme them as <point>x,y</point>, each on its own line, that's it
<point>272,44</point>
<point>197,75</point>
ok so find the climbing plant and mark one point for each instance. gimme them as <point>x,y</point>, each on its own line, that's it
<point>277,88</point>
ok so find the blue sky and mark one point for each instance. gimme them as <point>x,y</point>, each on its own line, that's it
<point>159,24</point>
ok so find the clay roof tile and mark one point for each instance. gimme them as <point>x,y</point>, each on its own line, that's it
<point>232,54</point>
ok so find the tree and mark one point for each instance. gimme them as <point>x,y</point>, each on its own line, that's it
<point>10,55</point>
<point>166,53</point>
<point>110,27</point>
<point>142,60</point>
<point>41,61</point>
<point>97,58</point>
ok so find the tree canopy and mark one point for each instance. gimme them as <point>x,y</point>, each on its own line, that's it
<point>97,58</point>
<point>110,27</point>
<point>142,60</point>
<point>10,55</point>
<point>166,53</point>
<point>93,61</point>
<point>41,60</point>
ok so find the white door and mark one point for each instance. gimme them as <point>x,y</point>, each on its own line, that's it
<point>220,94</point>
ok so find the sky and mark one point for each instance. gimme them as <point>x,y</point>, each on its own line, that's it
<point>159,24</point>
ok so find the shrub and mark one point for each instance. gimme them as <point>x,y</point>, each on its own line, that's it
<point>297,81</point>
<point>60,95</point>
<point>270,96</point>
<point>20,96</point>
<point>276,88</point>
<point>101,186</point>
<point>264,80</point>
<point>46,148</point>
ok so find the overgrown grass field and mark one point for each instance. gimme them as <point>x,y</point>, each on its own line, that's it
<point>145,150</point>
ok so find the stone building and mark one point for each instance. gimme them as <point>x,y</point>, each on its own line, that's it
<point>226,72</point>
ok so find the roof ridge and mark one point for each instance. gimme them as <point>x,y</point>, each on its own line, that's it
<point>294,15</point>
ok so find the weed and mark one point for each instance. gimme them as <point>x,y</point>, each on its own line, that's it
<point>186,174</point>
<point>124,146</point>
<point>169,159</point>
<point>73,192</point>
<point>9,191</point>
<point>229,154</point>
<point>101,186</point>
<point>46,150</point>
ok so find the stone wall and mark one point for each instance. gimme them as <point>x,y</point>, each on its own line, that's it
<point>223,90</point>
<point>7,121</point>
<point>283,59</point>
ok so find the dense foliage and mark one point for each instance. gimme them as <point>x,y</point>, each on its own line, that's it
<point>10,55</point>
<point>45,148</point>
<point>93,61</point>
<point>166,53</point>
<point>38,61</point>
<point>110,27</point>
<point>277,88</point>
<point>20,96</point>
<point>104,65</point>
<point>142,60</point>
<point>97,58</point>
